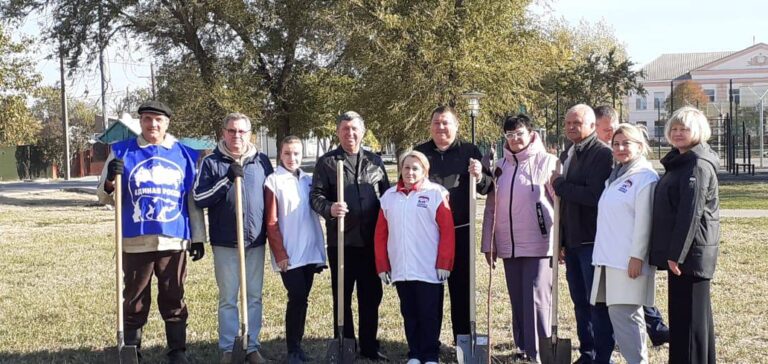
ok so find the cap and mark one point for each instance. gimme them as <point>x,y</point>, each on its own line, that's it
<point>155,107</point>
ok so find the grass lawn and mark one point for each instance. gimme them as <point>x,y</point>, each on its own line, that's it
<point>744,196</point>
<point>57,294</point>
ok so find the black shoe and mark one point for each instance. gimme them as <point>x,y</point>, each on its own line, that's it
<point>177,357</point>
<point>295,358</point>
<point>378,356</point>
<point>661,338</point>
<point>584,359</point>
<point>303,355</point>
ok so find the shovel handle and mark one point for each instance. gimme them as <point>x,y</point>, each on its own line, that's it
<point>555,254</point>
<point>118,197</point>
<point>241,255</point>
<point>472,231</point>
<point>340,248</point>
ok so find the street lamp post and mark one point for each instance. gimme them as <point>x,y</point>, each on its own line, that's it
<point>473,100</point>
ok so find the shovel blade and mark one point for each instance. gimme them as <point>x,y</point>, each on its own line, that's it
<point>467,353</point>
<point>558,352</point>
<point>239,350</point>
<point>128,354</point>
<point>340,351</point>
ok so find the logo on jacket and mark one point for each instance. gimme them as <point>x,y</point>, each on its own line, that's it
<point>154,186</point>
<point>423,201</point>
<point>625,186</point>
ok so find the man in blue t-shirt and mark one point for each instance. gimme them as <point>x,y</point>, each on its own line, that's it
<point>160,220</point>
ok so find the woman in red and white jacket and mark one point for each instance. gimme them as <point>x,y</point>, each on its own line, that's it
<point>415,247</point>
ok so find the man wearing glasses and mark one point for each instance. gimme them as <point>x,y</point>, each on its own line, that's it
<point>235,156</point>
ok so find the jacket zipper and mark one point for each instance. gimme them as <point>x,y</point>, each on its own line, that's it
<point>511,198</point>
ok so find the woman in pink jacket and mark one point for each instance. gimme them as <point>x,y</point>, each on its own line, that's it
<point>518,220</point>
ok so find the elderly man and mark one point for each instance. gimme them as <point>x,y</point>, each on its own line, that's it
<point>586,165</point>
<point>365,180</point>
<point>607,121</point>
<point>452,161</point>
<point>234,157</point>
<point>159,222</point>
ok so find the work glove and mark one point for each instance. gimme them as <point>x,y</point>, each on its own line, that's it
<point>235,170</point>
<point>443,274</point>
<point>115,167</point>
<point>196,251</point>
<point>386,278</point>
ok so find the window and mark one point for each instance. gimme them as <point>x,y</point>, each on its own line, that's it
<point>658,100</point>
<point>710,94</point>
<point>736,95</point>
<point>641,103</point>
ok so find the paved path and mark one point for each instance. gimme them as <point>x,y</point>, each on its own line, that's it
<point>744,213</point>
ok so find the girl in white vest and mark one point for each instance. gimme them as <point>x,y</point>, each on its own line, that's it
<point>415,246</point>
<point>295,239</point>
<point>623,279</point>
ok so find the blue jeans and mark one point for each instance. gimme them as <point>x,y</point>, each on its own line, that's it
<point>226,266</point>
<point>593,325</point>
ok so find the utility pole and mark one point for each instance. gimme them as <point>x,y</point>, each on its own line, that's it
<point>64,115</point>
<point>105,119</point>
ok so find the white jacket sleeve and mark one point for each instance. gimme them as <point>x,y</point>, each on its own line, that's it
<point>641,236</point>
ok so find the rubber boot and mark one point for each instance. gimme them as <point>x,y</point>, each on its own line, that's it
<point>133,337</point>
<point>176,335</point>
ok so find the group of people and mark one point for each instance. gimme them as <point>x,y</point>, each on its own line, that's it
<point>619,223</point>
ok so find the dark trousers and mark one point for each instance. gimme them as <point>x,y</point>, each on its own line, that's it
<point>593,325</point>
<point>654,324</point>
<point>360,270</point>
<point>691,327</point>
<point>421,304</point>
<point>458,284</point>
<point>298,282</point>
<point>170,268</point>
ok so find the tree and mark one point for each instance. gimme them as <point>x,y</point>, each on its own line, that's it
<point>47,110</point>
<point>688,93</point>
<point>17,80</point>
<point>410,57</point>
<point>131,101</point>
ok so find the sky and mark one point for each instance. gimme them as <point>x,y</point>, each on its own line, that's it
<point>646,28</point>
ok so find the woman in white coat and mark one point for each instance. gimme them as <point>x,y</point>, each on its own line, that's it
<point>623,278</point>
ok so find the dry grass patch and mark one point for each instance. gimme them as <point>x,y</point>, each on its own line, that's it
<point>57,300</point>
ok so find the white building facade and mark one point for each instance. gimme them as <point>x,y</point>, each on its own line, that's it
<point>714,71</point>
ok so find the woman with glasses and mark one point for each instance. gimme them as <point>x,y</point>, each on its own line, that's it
<point>623,279</point>
<point>686,234</point>
<point>518,221</point>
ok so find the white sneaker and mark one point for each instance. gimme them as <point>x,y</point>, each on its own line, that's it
<point>431,362</point>
<point>414,361</point>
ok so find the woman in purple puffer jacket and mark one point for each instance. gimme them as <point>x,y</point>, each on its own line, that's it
<point>518,220</point>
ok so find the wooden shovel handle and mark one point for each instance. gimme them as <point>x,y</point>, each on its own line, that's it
<point>472,230</point>
<point>118,196</point>
<point>241,254</point>
<point>340,247</point>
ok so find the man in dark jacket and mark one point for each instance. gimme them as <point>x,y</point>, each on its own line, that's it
<point>233,157</point>
<point>451,161</point>
<point>586,165</point>
<point>365,180</point>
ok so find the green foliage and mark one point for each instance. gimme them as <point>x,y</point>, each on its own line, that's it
<point>47,110</point>
<point>17,80</point>
<point>131,101</point>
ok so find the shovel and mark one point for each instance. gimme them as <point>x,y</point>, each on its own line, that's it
<point>555,350</point>
<point>341,350</point>
<point>239,350</point>
<point>472,348</point>
<point>126,354</point>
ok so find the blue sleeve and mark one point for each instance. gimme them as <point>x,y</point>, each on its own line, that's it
<point>211,186</point>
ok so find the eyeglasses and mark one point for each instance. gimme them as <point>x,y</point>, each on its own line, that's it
<point>515,134</point>
<point>234,132</point>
